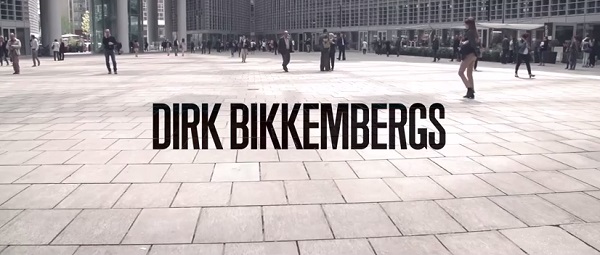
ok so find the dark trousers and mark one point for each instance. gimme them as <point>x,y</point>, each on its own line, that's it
<point>505,56</point>
<point>110,54</point>
<point>511,56</point>
<point>435,55</point>
<point>325,60</point>
<point>523,58</point>
<point>388,51</point>
<point>342,53</point>
<point>56,56</point>
<point>572,61</point>
<point>285,56</point>
<point>364,51</point>
<point>4,56</point>
<point>332,60</point>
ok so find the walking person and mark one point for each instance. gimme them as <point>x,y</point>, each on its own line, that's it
<point>183,47</point>
<point>341,45</point>
<point>14,49</point>
<point>544,49</point>
<point>61,50</point>
<point>245,47</point>
<point>388,48</point>
<point>285,48</point>
<point>332,50</point>
<point>365,47</point>
<point>455,49</point>
<point>325,43</point>
<point>398,46</point>
<point>505,49</point>
<point>572,53</point>
<point>524,55</point>
<point>594,53</point>
<point>469,56</point>
<point>108,44</point>
<point>35,46</point>
<point>435,47</point>
<point>586,48</point>
<point>56,50</point>
<point>136,48</point>
<point>3,52</point>
<point>176,46</point>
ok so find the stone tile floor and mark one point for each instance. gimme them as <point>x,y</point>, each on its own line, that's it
<point>520,173</point>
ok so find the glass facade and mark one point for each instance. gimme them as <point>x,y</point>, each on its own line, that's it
<point>103,15</point>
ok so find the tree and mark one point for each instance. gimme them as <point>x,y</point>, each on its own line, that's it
<point>67,26</point>
<point>85,23</point>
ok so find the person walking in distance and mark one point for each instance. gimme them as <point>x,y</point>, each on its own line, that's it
<point>56,50</point>
<point>341,45</point>
<point>175,46</point>
<point>398,46</point>
<point>435,47</point>
<point>183,47</point>
<point>2,53</point>
<point>35,46</point>
<point>573,52</point>
<point>456,49</point>
<point>285,48</point>
<point>469,56</point>
<point>14,48</point>
<point>136,47</point>
<point>544,48</point>
<point>505,49</point>
<point>332,50</point>
<point>523,51</point>
<point>365,47</point>
<point>108,44</point>
<point>325,43</point>
<point>245,46</point>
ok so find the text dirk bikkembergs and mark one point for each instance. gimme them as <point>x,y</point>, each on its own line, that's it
<point>355,126</point>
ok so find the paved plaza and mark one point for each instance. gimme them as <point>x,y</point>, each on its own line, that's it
<point>520,172</point>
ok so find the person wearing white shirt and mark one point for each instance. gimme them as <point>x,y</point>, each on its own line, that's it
<point>14,49</point>
<point>365,46</point>
<point>35,46</point>
<point>56,49</point>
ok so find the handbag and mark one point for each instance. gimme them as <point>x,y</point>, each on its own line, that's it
<point>466,49</point>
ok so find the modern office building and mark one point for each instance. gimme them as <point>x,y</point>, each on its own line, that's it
<point>157,20</point>
<point>20,17</point>
<point>413,19</point>
<point>122,17</point>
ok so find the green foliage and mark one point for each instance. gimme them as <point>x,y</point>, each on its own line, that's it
<point>85,23</point>
<point>66,25</point>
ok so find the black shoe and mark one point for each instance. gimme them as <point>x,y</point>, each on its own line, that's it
<point>531,76</point>
<point>470,94</point>
<point>116,72</point>
<point>109,72</point>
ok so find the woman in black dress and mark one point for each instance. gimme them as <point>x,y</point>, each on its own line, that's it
<point>469,56</point>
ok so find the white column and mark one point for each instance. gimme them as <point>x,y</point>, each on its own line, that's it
<point>152,21</point>
<point>51,22</point>
<point>181,20</point>
<point>122,34</point>
<point>169,20</point>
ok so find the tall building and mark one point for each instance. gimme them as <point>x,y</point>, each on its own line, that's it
<point>16,17</point>
<point>122,17</point>
<point>160,5</point>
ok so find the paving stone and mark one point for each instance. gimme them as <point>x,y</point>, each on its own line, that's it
<point>92,157</point>
<point>98,227</point>
<point>142,173</point>
<point>258,193</point>
<point>174,157</point>
<point>203,194</point>
<point>313,192</point>
<point>187,249</point>
<point>329,170</point>
<point>374,169</point>
<point>295,222</point>
<point>489,149</point>
<point>95,174</point>
<point>359,220</point>
<point>460,165</point>
<point>113,250</point>
<point>130,144</point>
<point>501,164</point>
<point>534,211</point>
<point>257,156</point>
<point>163,226</point>
<point>40,250</point>
<point>418,167</point>
<point>556,147</point>
<point>575,160</point>
<point>7,215</point>
<point>94,196</point>
<point>476,214</point>
<point>547,240</point>
<point>417,188</point>
<point>373,154</point>
<point>339,155</point>
<point>595,194</point>
<point>9,174</point>
<point>466,185</point>
<point>49,174</point>
<point>414,245</point>
<point>513,183</point>
<point>489,242</point>
<point>277,171</point>
<point>229,225</point>
<point>557,181</point>
<point>589,233</point>
<point>42,196</point>
<point>228,172</point>
<point>288,248</point>
<point>216,156</point>
<point>420,218</point>
<point>581,205</point>
<point>335,247</point>
<point>298,155</point>
<point>8,191</point>
<point>540,162</point>
<point>33,227</point>
<point>589,176</point>
<point>424,153</point>
<point>523,147</point>
<point>366,190</point>
<point>189,173</point>
<point>52,157</point>
<point>148,195</point>
<point>133,157</point>
<point>90,143</point>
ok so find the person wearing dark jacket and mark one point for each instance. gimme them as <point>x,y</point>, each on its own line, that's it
<point>388,47</point>
<point>398,46</point>
<point>524,55</point>
<point>108,44</point>
<point>595,52</point>
<point>325,44</point>
<point>505,49</point>
<point>573,50</point>
<point>3,51</point>
<point>62,51</point>
<point>544,48</point>
<point>456,49</point>
<point>332,51</point>
<point>285,48</point>
<point>341,45</point>
<point>435,47</point>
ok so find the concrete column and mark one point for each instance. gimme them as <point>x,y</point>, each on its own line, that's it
<point>181,20</point>
<point>122,34</point>
<point>51,24</point>
<point>152,22</point>
<point>169,20</point>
